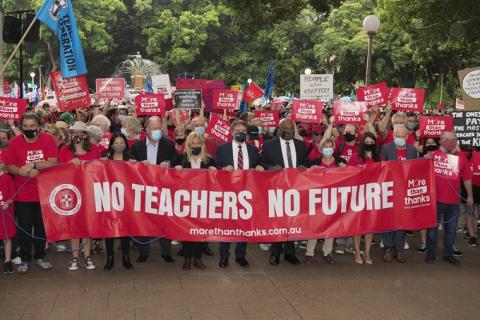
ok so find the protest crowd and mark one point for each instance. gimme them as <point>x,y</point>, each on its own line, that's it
<point>193,139</point>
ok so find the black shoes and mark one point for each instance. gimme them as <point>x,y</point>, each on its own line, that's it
<point>126,262</point>
<point>207,251</point>
<point>291,259</point>
<point>242,262</point>
<point>187,264</point>
<point>452,260</point>
<point>168,258</point>
<point>223,263</point>
<point>8,268</point>
<point>109,264</point>
<point>142,259</point>
<point>197,263</point>
<point>274,260</point>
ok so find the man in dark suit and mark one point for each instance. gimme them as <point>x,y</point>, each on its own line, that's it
<point>156,149</point>
<point>278,153</point>
<point>394,241</point>
<point>236,155</point>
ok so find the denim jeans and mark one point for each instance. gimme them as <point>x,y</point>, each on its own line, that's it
<point>450,216</point>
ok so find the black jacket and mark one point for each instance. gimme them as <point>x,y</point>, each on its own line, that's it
<point>224,156</point>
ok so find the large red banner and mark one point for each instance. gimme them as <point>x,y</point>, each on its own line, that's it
<point>72,93</point>
<point>11,108</point>
<point>307,111</point>
<point>100,199</point>
<point>407,99</point>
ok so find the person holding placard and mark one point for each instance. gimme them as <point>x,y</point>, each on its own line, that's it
<point>450,168</point>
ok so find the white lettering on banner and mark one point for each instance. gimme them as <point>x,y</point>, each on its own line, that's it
<point>417,194</point>
<point>446,166</point>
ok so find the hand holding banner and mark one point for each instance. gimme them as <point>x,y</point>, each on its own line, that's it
<point>349,112</point>
<point>307,111</point>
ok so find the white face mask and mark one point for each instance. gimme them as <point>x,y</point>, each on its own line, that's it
<point>124,132</point>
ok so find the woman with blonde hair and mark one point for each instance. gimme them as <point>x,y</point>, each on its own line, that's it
<point>194,157</point>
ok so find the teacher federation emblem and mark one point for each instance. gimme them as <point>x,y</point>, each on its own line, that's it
<point>65,200</point>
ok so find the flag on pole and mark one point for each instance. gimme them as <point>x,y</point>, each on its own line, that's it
<point>59,17</point>
<point>252,93</point>
<point>270,83</point>
<point>244,104</point>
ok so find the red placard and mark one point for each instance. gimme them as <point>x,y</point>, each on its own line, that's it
<point>407,99</point>
<point>122,199</point>
<point>183,115</point>
<point>12,109</point>
<point>349,112</point>
<point>374,95</point>
<point>182,84</point>
<point>307,111</point>
<point>150,105</point>
<point>71,93</point>
<point>270,118</point>
<point>433,127</point>
<point>446,165</point>
<point>111,88</point>
<point>218,128</point>
<point>226,99</point>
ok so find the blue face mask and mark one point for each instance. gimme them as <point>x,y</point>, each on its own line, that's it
<point>327,152</point>
<point>399,142</point>
<point>156,135</point>
<point>200,130</point>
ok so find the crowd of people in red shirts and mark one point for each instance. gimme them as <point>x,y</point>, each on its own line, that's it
<point>45,138</point>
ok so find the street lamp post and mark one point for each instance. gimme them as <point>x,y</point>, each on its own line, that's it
<point>371,24</point>
<point>308,71</point>
<point>32,74</point>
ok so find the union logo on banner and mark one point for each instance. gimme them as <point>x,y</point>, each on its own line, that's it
<point>65,200</point>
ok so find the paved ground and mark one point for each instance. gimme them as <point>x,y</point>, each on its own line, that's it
<point>156,290</point>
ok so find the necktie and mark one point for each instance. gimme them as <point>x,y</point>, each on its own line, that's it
<point>240,159</point>
<point>289,155</point>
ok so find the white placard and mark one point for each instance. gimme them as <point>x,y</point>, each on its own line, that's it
<point>161,84</point>
<point>316,87</point>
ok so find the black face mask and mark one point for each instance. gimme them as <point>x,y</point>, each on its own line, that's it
<point>253,136</point>
<point>287,136</point>
<point>180,141</point>
<point>240,137</point>
<point>431,148</point>
<point>349,137</point>
<point>30,134</point>
<point>171,126</point>
<point>302,132</point>
<point>369,147</point>
<point>196,151</point>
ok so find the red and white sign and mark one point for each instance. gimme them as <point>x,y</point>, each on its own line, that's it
<point>183,115</point>
<point>459,105</point>
<point>270,118</point>
<point>374,95</point>
<point>407,99</point>
<point>150,105</point>
<point>218,128</point>
<point>307,111</point>
<point>446,165</point>
<point>252,93</point>
<point>111,88</point>
<point>71,93</point>
<point>123,199</point>
<point>226,99</point>
<point>12,109</point>
<point>349,112</point>
<point>434,126</point>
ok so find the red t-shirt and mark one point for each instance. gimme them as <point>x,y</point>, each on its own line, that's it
<point>317,163</point>
<point>105,141</point>
<point>401,154</point>
<point>348,151</point>
<point>20,152</point>
<point>356,160</point>
<point>131,143</point>
<point>448,189</point>
<point>7,190</point>
<point>65,155</point>
<point>411,138</point>
<point>475,163</point>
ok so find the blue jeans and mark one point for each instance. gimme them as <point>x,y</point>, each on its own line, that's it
<point>450,216</point>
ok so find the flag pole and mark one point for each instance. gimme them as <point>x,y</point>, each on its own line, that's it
<point>18,46</point>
